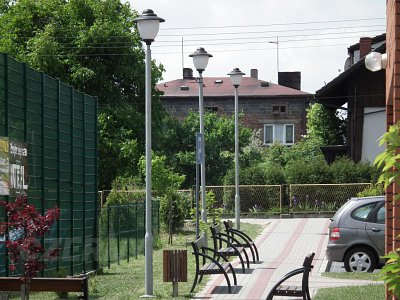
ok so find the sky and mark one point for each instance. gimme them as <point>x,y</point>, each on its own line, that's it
<point>310,36</point>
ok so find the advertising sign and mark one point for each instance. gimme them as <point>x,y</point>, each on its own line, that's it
<point>13,167</point>
<point>4,166</point>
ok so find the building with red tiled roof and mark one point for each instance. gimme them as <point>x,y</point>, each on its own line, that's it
<point>278,110</point>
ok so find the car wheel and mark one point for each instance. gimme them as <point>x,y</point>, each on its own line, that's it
<point>359,260</point>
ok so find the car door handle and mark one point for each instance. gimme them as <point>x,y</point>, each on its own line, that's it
<point>374,229</point>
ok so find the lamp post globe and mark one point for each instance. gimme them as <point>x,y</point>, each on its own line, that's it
<point>236,78</point>
<point>148,25</point>
<point>200,59</point>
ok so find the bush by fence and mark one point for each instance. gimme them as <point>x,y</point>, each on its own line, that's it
<point>122,231</point>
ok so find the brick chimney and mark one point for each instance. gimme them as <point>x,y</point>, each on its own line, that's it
<point>290,79</point>
<point>365,46</point>
<point>254,73</point>
<point>187,73</point>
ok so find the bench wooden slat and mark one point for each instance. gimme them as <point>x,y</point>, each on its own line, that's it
<point>47,285</point>
<point>212,267</point>
<point>289,289</point>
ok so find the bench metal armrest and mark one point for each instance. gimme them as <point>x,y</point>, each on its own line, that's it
<point>241,234</point>
<point>210,258</point>
<point>290,274</point>
<point>228,238</point>
<point>227,242</point>
<point>216,253</point>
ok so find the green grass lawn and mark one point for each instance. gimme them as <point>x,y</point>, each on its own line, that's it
<point>126,281</point>
<point>366,292</point>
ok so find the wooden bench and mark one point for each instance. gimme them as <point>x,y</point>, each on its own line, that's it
<point>243,238</point>
<point>48,285</point>
<point>294,291</point>
<point>223,244</point>
<point>209,264</point>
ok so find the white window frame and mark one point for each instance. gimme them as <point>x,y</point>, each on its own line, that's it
<point>273,133</point>
<point>285,126</point>
<point>281,139</point>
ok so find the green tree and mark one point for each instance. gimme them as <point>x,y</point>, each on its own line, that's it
<point>93,46</point>
<point>389,163</point>
<point>219,146</point>
<point>325,124</point>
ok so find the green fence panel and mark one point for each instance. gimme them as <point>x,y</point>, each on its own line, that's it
<point>59,124</point>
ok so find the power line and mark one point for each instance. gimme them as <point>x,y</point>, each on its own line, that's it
<point>254,39</point>
<point>265,25</point>
<point>269,31</point>
<point>259,49</point>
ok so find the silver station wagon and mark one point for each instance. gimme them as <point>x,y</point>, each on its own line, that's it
<point>357,234</point>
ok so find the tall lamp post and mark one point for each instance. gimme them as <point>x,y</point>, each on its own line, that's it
<point>200,61</point>
<point>236,78</point>
<point>148,25</point>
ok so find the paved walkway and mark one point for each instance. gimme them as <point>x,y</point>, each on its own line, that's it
<point>282,247</point>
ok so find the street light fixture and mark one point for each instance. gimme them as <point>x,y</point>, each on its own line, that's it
<point>236,78</point>
<point>148,25</point>
<point>200,61</point>
<point>375,61</point>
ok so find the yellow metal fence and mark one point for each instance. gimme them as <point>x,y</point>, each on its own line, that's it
<point>264,200</point>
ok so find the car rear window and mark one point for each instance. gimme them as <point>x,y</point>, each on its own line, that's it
<point>361,213</point>
<point>380,216</point>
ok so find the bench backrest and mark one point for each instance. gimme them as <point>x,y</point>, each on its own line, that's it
<point>215,230</point>
<point>228,224</point>
<point>199,244</point>
<point>198,247</point>
<point>307,264</point>
<point>308,261</point>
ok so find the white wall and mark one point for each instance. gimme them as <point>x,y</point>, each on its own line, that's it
<point>374,127</point>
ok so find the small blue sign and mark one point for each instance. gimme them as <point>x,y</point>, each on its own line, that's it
<point>199,148</point>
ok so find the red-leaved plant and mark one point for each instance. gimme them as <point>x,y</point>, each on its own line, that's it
<point>25,225</point>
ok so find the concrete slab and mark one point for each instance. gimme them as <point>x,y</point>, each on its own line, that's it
<point>282,246</point>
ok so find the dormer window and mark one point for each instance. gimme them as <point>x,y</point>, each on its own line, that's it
<point>184,88</point>
<point>218,81</point>
<point>278,109</point>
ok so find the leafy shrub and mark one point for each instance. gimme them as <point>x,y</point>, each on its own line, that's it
<point>174,208</point>
<point>308,149</point>
<point>276,154</point>
<point>314,171</point>
<point>214,213</point>
<point>263,174</point>
<point>118,216</point>
<point>375,190</point>
<point>273,174</point>
<point>344,170</point>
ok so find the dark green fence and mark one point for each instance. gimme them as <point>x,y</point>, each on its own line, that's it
<point>59,125</point>
<point>122,230</point>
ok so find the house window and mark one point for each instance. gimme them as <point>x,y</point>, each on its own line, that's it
<point>268,134</point>
<point>278,109</point>
<point>279,133</point>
